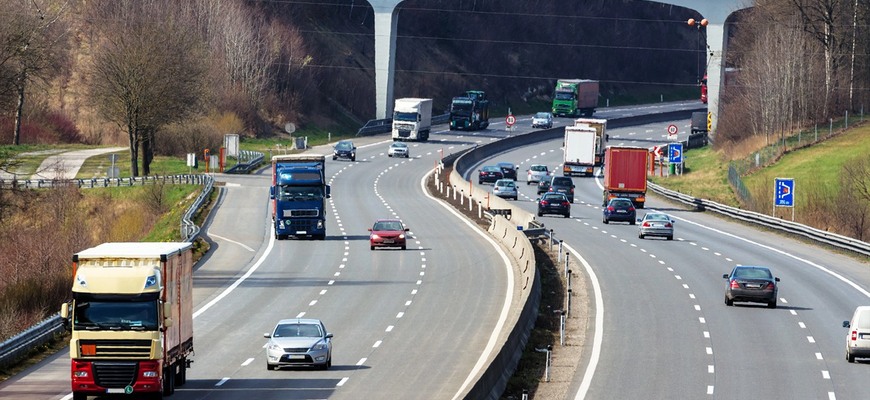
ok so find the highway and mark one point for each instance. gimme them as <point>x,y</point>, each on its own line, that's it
<point>667,332</point>
<point>417,323</point>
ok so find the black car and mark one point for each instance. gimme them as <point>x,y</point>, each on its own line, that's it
<point>562,184</point>
<point>543,186</point>
<point>344,149</point>
<point>619,210</point>
<point>508,170</point>
<point>751,284</point>
<point>554,203</point>
<point>489,174</point>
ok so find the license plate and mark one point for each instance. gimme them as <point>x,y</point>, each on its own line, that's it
<point>115,391</point>
<point>389,241</point>
<point>753,285</point>
<point>621,211</point>
<point>865,336</point>
<point>296,356</point>
<point>301,232</point>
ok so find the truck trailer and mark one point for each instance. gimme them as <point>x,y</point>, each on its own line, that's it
<point>412,119</point>
<point>601,137</point>
<point>579,151</point>
<point>131,319</point>
<point>469,111</point>
<point>575,97</point>
<point>625,174</point>
<point>298,194</point>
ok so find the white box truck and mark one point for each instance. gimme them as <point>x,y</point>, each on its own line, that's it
<point>600,126</point>
<point>580,146</point>
<point>412,119</point>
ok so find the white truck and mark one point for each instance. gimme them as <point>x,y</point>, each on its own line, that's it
<point>412,119</point>
<point>579,151</point>
<point>600,126</point>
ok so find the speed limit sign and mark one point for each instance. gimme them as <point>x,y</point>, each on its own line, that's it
<point>672,132</point>
<point>510,120</point>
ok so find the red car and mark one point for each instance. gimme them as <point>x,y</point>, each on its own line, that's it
<point>387,233</point>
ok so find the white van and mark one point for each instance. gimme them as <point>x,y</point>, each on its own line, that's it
<point>858,337</point>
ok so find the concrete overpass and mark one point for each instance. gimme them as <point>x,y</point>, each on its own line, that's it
<point>715,11</point>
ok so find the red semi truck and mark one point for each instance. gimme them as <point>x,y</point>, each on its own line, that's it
<point>625,174</point>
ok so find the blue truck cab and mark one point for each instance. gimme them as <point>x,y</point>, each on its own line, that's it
<point>298,194</point>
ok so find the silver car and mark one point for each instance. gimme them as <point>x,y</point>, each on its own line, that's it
<point>542,120</point>
<point>505,188</point>
<point>398,149</point>
<point>858,336</point>
<point>299,342</point>
<point>656,224</point>
<point>537,173</point>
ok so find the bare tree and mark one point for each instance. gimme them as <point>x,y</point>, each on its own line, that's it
<point>148,70</point>
<point>33,47</point>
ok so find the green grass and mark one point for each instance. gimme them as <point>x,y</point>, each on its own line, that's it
<point>819,165</point>
<point>705,176</point>
<point>97,166</point>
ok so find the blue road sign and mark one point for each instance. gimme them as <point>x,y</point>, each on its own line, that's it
<point>784,192</point>
<point>675,153</point>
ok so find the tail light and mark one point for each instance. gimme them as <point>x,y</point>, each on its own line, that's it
<point>668,225</point>
<point>544,202</point>
<point>610,208</point>
<point>631,209</point>
<point>734,284</point>
<point>770,286</point>
<point>854,335</point>
<point>566,204</point>
<point>646,224</point>
<point>550,189</point>
<point>571,190</point>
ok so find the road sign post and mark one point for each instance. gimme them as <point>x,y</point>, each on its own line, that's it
<point>675,154</point>
<point>672,132</point>
<point>783,194</point>
<point>510,120</point>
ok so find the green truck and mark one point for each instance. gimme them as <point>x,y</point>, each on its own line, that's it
<point>575,97</point>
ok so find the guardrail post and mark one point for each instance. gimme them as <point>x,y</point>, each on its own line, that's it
<point>479,210</point>
<point>568,302</point>
<point>560,243</point>
<point>461,197</point>
<point>566,264</point>
<point>448,192</point>
<point>562,328</point>
<point>470,202</point>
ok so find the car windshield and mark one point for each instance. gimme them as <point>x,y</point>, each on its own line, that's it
<point>300,193</point>
<point>387,226</point>
<point>400,145</point>
<point>541,115</point>
<point>343,146</point>
<point>506,166</point>
<point>562,181</point>
<point>752,273</point>
<point>506,184</point>
<point>297,330</point>
<point>656,217</point>
<point>538,168</point>
<point>621,203</point>
<point>491,169</point>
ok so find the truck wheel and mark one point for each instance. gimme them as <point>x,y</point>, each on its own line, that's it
<point>79,396</point>
<point>168,382</point>
<point>181,375</point>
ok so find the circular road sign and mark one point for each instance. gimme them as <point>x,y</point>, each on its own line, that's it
<point>510,120</point>
<point>672,129</point>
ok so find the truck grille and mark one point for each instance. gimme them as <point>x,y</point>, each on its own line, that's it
<point>118,349</point>
<point>304,213</point>
<point>115,374</point>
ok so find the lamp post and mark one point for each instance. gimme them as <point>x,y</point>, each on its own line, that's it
<point>699,24</point>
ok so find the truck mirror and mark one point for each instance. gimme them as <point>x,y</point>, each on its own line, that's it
<point>271,193</point>
<point>64,310</point>
<point>167,309</point>
<point>167,322</point>
<point>328,195</point>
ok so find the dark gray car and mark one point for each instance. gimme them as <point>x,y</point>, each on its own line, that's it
<point>564,185</point>
<point>751,284</point>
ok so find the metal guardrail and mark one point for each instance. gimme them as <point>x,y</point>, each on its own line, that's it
<point>192,179</point>
<point>248,160</point>
<point>19,345</point>
<point>379,126</point>
<point>833,239</point>
<point>24,342</point>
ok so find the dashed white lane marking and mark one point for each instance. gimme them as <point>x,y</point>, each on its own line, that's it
<point>342,381</point>
<point>361,361</point>
<point>826,375</point>
<point>247,362</point>
<point>377,344</point>
<point>711,369</point>
<point>710,389</point>
<point>811,339</point>
<point>400,314</point>
<point>389,329</point>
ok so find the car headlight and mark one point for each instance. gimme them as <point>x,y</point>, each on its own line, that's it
<point>275,347</point>
<point>401,236</point>
<point>319,346</point>
<point>375,236</point>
